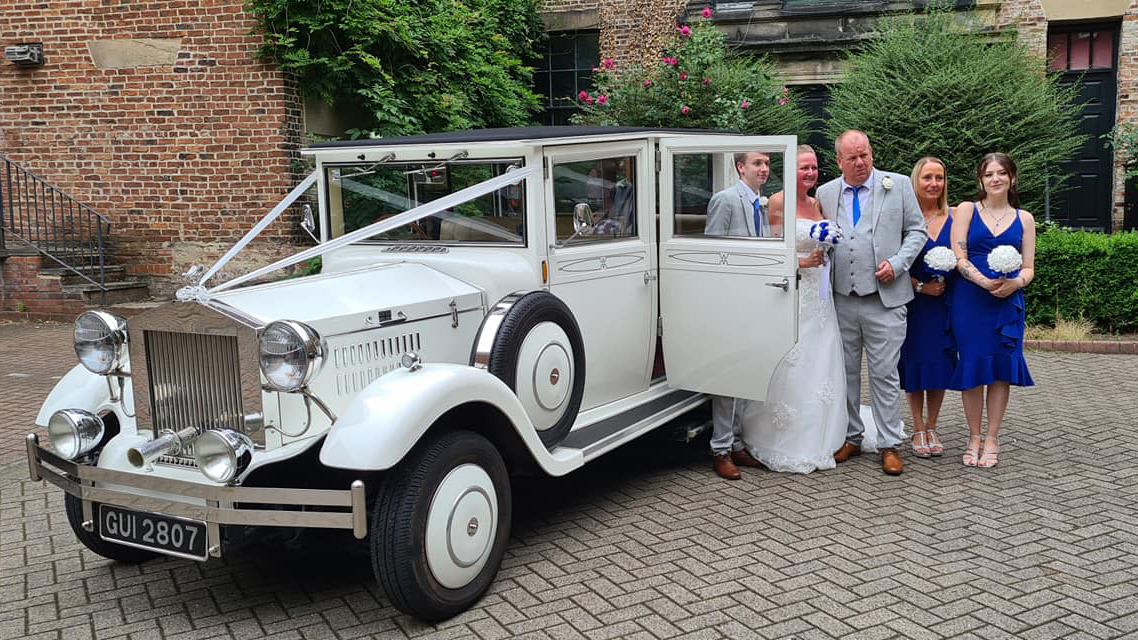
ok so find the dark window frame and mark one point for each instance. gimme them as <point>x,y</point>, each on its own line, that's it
<point>557,109</point>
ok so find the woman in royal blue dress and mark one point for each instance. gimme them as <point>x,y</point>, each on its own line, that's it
<point>987,306</point>
<point>928,355</point>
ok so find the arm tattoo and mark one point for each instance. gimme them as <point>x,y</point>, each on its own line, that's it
<point>970,272</point>
<point>963,245</point>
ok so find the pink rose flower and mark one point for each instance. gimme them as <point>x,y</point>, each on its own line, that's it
<point>782,102</point>
<point>685,31</point>
<point>608,63</point>
<point>582,95</point>
<point>588,99</point>
<point>706,82</point>
<point>685,110</point>
<point>706,13</point>
<point>647,83</point>
<point>785,91</point>
<point>602,99</point>
<point>683,75</point>
<point>744,105</point>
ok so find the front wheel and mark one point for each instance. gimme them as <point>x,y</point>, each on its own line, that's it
<point>440,525</point>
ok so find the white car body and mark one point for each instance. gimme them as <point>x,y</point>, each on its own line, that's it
<point>407,330</point>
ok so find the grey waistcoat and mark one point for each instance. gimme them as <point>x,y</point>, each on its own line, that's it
<point>853,258</point>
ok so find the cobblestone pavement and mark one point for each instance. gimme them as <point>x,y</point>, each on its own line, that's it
<point>647,543</point>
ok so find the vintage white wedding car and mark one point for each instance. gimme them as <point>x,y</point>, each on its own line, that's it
<point>491,304</point>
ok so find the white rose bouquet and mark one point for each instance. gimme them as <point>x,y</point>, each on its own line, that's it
<point>1005,260</point>
<point>940,260</point>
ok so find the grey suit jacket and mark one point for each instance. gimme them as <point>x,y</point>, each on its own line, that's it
<point>730,213</point>
<point>898,229</point>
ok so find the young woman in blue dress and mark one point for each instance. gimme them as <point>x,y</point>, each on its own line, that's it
<point>987,307</point>
<point>928,355</point>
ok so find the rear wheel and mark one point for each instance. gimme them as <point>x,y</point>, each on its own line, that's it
<point>91,539</point>
<point>440,525</point>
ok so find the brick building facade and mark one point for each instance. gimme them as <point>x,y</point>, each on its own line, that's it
<point>157,115</point>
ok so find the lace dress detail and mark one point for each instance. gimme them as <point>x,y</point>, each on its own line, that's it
<point>804,418</point>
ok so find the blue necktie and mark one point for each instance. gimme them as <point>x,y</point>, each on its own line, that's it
<point>856,204</point>
<point>758,218</point>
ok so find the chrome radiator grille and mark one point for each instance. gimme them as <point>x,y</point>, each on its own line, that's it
<point>195,365</point>
<point>195,380</point>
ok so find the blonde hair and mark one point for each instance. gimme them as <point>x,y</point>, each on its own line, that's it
<point>942,200</point>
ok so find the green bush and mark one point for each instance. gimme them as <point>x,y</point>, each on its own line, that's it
<point>928,86</point>
<point>698,84</point>
<point>413,66</point>
<point>1080,274</point>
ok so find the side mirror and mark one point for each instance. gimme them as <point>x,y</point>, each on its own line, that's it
<point>308,222</point>
<point>582,219</point>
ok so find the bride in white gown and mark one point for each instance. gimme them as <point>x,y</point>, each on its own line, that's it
<point>803,420</point>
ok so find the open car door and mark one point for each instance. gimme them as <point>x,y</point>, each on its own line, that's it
<point>728,299</point>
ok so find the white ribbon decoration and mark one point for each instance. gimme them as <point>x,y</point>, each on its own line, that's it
<point>259,227</point>
<point>411,215</point>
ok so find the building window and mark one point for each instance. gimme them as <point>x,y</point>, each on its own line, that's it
<point>566,71</point>
<point>1080,50</point>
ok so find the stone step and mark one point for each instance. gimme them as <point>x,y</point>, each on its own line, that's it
<point>117,292</point>
<point>67,277</point>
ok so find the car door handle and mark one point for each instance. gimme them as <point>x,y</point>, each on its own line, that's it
<point>784,285</point>
<point>649,277</point>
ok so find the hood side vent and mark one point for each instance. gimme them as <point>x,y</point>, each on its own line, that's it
<point>357,365</point>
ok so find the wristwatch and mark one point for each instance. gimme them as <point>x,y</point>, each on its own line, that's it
<point>920,285</point>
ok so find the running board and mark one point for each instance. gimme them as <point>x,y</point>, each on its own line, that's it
<point>605,435</point>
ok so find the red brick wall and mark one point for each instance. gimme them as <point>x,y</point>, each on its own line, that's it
<point>182,159</point>
<point>24,294</point>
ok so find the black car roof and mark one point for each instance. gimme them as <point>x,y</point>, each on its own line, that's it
<point>506,134</point>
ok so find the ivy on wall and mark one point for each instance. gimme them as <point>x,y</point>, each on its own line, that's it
<point>412,66</point>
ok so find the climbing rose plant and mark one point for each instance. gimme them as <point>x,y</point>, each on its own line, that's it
<point>698,83</point>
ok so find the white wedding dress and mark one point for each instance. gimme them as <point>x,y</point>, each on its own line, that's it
<point>803,421</point>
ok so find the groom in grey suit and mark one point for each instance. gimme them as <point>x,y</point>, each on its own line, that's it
<point>736,211</point>
<point>883,231</point>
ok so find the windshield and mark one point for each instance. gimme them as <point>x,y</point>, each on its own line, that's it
<point>363,193</point>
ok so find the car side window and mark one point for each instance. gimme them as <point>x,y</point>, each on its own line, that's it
<point>595,200</point>
<point>714,194</point>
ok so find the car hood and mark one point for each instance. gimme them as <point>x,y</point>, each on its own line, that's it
<point>355,300</point>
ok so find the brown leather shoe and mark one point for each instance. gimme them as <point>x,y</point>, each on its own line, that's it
<point>847,451</point>
<point>743,458</point>
<point>891,462</point>
<point>725,468</point>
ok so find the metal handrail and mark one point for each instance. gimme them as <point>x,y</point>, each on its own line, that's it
<point>43,217</point>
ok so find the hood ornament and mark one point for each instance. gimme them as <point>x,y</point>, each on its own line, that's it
<point>193,291</point>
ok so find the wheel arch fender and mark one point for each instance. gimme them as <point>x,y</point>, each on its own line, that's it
<point>79,389</point>
<point>389,416</point>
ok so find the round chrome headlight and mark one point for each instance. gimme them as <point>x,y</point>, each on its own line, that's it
<point>74,432</point>
<point>100,341</point>
<point>222,454</point>
<point>291,353</point>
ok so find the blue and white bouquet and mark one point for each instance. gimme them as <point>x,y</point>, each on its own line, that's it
<point>940,260</point>
<point>826,233</point>
<point>1005,260</point>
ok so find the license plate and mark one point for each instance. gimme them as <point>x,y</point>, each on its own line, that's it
<point>172,536</point>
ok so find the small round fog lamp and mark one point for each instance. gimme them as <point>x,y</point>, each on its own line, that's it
<point>74,432</point>
<point>223,454</point>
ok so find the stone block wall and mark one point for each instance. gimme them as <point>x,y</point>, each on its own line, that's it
<point>158,115</point>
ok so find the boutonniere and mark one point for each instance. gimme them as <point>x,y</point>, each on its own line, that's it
<point>886,183</point>
<point>763,200</point>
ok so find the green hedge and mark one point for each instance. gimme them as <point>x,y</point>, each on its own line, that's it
<point>1088,275</point>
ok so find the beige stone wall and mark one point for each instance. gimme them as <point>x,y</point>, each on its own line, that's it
<point>1127,105</point>
<point>1029,21</point>
<point>631,31</point>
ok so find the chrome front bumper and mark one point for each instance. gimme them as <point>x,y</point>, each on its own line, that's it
<point>287,507</point>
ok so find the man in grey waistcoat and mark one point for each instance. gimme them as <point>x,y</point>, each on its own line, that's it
<point>883,231</point>
<point>736,211</point>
